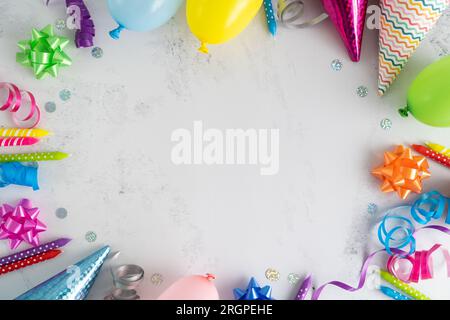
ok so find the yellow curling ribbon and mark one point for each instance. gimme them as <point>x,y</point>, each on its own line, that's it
<point>44,52</point>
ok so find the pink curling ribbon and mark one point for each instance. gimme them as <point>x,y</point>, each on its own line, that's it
<point>421,265</point>
<point>14,104</point>
<point>20,224</point>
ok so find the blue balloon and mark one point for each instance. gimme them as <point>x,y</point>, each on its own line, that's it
<point>141,15</point>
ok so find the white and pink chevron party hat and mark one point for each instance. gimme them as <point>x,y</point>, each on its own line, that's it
<point>403,25</point>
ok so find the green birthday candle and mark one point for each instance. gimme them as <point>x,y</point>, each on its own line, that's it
<point>406,288</point>
<point>30,157</point>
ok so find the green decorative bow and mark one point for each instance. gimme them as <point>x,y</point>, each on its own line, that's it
<point>44,52</point>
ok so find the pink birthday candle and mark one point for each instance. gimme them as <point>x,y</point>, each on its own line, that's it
<point>17,141</point>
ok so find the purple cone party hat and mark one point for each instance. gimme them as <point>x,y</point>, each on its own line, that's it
<point>72,283</point>
<point>349,18</point>
<point>403,25</point>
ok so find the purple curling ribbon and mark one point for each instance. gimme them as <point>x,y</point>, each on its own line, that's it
<point>304,288</point>
<point>34,251</point>
<point>346,287</point>
<point>84,37</point>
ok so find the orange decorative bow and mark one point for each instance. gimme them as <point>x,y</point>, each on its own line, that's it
<point>402,172</point>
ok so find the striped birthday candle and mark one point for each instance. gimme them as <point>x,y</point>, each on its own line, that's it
<point>403,25</point>
<point>16,141</point>
<point>21,132</point>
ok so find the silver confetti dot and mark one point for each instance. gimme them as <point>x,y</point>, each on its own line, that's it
<point>336,65</point>
<point>293,278</point>
<point>90,236</point>
<point>362,91</point>
<point>372,208</point>
<point>156,279</point>
<point>386,124</point>
<point>97,52</point>
<point>65,94</point>
<point>61,213</point>
<point>50,107</point>
<point>60,24</point>
<point>272,274</point>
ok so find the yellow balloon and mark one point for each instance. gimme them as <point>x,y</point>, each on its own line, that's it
<point>217,21</point>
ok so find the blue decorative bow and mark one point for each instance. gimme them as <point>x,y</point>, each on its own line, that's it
<point>253,292</point>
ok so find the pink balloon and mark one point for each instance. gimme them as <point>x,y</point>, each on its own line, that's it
<point>192,288</point>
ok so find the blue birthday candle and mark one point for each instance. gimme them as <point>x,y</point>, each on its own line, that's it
<point>270,16</point>
<point>393,294</point>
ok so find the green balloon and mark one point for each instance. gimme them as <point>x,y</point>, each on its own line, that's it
<point>429,95</point>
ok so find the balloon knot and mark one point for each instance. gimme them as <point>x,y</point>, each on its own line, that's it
<point>115,34</point>
<point>203,48</point>
<point>404,112</point>
<point>210,276</point>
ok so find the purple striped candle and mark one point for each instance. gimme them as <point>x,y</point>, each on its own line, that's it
<point>34,251</point>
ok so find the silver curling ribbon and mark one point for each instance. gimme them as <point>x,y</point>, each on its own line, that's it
<point>126,279</point>
<point>291,11</point>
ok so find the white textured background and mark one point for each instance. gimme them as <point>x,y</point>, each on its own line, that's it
<point>226,220</point>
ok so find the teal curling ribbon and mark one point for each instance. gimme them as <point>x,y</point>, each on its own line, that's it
<point>430,205</point>
<point>18,174</point>
<point>44,53</point>
<point>399,236</point>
